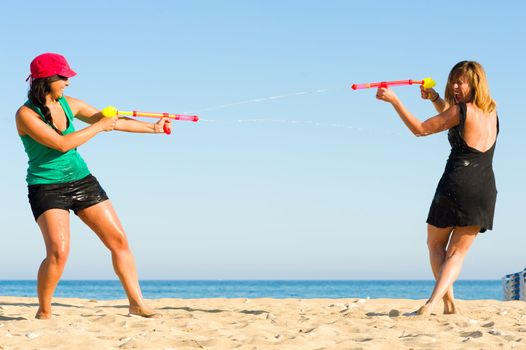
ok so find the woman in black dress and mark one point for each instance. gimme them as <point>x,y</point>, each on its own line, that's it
<point>464,200</point>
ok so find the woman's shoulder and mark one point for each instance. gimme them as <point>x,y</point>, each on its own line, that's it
<point>72,101</point>
<point>472,109</point>
<point>25,110</point>
<point>24,116</point>
<point>75,104</point>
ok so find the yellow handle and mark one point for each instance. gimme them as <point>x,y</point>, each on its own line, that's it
<point>428,83</point>
<point>110,111</point>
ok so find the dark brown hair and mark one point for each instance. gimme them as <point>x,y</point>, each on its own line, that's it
<point>37,95</point>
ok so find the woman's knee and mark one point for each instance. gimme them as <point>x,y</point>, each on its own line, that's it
<point>119,243</point>
<point>58,256</point>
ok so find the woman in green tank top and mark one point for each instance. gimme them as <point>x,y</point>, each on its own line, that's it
<point>59,180</point>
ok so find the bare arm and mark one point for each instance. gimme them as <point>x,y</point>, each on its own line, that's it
<point>91,115</point>
<point>29,123</point>
<point>443,121</point>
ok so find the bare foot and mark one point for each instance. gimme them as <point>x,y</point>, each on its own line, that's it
<point>424,310</point>
<point>143,311</point>
<point>450,308</point>
<point>41,315</point>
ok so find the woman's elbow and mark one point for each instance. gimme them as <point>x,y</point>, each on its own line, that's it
<point>61,147</point>
<point>419,132</point>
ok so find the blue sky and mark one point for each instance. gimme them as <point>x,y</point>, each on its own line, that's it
<point>323,183</point>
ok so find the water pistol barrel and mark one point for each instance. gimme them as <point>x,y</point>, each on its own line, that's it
<point>426,83</point>
<point>111,111</point>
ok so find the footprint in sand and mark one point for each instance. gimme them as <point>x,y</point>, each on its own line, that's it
<point>475,334</point>
<point>106,319</point>
<point>306,331</point>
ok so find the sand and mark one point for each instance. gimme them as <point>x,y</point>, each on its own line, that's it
<point>262,324</point>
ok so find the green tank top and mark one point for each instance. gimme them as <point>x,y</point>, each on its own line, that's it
<point>47,165</point>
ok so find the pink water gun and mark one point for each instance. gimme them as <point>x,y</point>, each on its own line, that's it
<point>426,83</point>
<point>111,111</point>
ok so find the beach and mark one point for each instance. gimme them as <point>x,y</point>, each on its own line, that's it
<point>262,324</point>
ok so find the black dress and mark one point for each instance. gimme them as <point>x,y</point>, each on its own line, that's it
<point>466,193</point>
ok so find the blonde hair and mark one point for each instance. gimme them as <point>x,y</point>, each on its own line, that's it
<point>476,78</point>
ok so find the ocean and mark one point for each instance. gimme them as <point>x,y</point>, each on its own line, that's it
<point>309,289</point>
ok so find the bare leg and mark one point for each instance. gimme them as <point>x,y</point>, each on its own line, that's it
<point>54,224</point>
<point>459,244</point>
<point>437,241</point>
<point>103,220</point>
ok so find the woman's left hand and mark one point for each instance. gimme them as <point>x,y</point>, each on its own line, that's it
<point>162,126</point>
<point>386,94</point>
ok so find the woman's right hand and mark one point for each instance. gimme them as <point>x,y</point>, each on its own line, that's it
<point>427,94</point>
<point>107,123</point>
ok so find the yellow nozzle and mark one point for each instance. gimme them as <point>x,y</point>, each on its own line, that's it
<point>109,111</point>
<point>428,83</point>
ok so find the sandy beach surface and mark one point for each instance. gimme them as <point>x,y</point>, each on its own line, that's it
<point>262,324</point>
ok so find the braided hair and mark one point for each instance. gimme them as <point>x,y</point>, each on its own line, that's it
<point>37,95</point>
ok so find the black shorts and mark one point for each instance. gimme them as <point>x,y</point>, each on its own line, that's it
<point>74,195</point>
